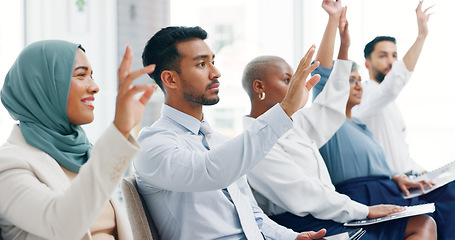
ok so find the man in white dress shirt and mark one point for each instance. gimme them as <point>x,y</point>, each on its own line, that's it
<point>388,76</point>
<point>193,179</point>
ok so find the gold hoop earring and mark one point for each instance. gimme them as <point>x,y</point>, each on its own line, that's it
<point>262,96</point>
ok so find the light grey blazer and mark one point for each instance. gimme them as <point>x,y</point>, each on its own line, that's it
<point>37,201</point>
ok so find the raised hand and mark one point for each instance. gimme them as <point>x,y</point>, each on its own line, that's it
<point>343,26</point>
<point>299,89</point>
<point>383,210</point>
<point>332,8</point>
<point>422,19</point>
<point>325,52</point>
<point>344,35</point>
<point>311,235</point>
<point>411,57</point>
<point>129,110</point>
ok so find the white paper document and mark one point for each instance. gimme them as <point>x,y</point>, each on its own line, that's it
<point>410,211</point>
<point>440,177</point>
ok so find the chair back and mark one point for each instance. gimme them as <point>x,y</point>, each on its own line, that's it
<point>141,222</point>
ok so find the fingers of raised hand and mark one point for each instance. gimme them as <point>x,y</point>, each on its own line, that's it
<point>427,15</point>
<point>312,67</point>
<point>128,97</point>
<point>303,71</point>
<point>332,7</point>
<point>312,81</point>
<point>148,92</point>
<point>125,65</point>
<point>301,68</point>
<point>305,62</point>
<point>344,32</point>
<point>328,4</point>
<point>343,17</point>
<point>425,11</point>
<point>303,74</point>
<point>419,7</point>
<point>126,82</point>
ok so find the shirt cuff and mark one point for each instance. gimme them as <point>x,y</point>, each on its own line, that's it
<point>344,64</point>
<point>360,211</point>
<point>291,235</point>
<point>278,120</point>
<point>116,147</point>
<point>323,71</point>
<point>130,140</point>
<point>401,69</point>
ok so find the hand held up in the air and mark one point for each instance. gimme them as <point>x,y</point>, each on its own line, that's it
<point>129,109</point>
<point>299,89</point>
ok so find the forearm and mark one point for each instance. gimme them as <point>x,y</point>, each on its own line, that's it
<point>324,72</point>
<point>329,107</point>
<point>343,53</point>
<point>413,54</point>
<point>326,49</point>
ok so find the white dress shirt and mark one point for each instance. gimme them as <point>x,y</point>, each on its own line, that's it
<point>182,181</point>
<point>382,116</point>
<point>293,176</point>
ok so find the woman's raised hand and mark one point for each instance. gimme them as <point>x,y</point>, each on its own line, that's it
<point>129,109</point>
<point>299,89</point>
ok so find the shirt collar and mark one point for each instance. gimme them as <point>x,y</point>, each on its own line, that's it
<point>372,82</point>
<point>359,123</point>
<point>247,121</point>
<point>187,121</point>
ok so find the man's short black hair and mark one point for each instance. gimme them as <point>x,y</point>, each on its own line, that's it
<point>161,49</point>
<point>369,48</point>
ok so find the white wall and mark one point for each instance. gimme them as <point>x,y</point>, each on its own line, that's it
<point>427,102</point>
<point>96,31</point>
<point>138,20</point>
<point>11,43</point>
